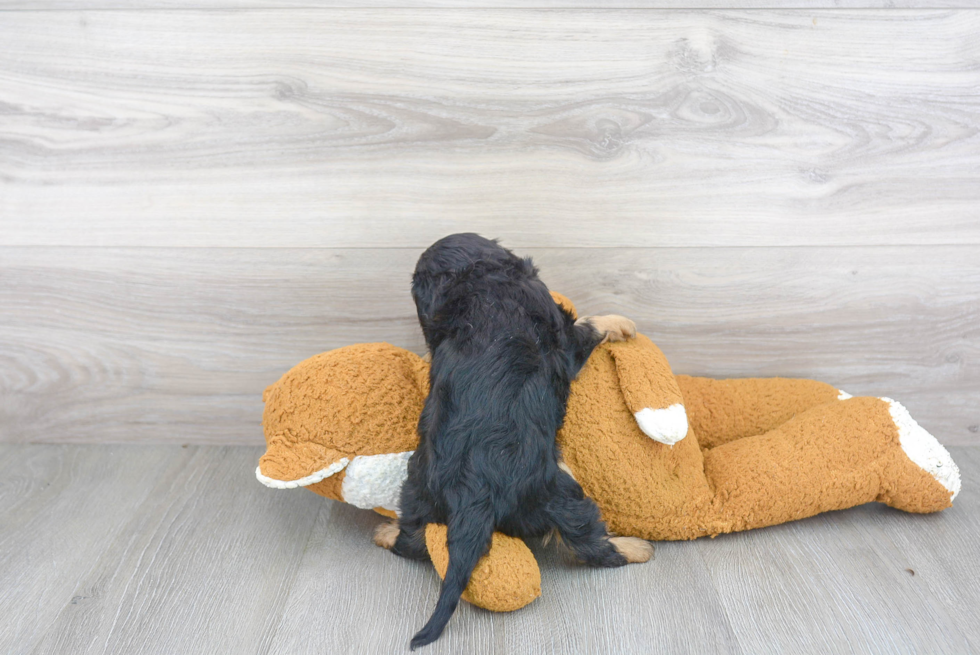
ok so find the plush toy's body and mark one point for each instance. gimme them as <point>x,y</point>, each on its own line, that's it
<point>664,457</point>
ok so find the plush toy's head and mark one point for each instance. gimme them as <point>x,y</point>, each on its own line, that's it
<point>343,424</point>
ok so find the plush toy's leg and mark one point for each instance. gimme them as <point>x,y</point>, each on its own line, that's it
<point>720,411</point>
<point>832,456</point>
<point>923,450</point>
<point>505,579</point>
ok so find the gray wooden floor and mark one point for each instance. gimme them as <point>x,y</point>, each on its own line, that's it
<point>164,549</point>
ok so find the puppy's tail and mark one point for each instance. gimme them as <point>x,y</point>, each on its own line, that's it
<point>467,537</point>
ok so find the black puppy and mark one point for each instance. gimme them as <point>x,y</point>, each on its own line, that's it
<point>503,357</point>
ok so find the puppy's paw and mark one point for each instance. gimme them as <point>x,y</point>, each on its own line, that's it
<point>385,534</point>
<point>635,550</point>
<point>614,327</point>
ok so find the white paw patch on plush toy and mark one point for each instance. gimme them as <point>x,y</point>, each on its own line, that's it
<point>923,448</point>
<point>667,425</point>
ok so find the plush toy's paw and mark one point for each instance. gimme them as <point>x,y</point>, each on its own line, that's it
<point>667,425</point>
<point>924,450</point>
<point>634,549</point>
<point>385,534</point>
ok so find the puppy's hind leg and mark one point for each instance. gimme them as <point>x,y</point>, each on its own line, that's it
<point>386,534</point>
<point>634,549</point>
<point>408,542</point>
<point>577,520</point>
<point>406,536</point>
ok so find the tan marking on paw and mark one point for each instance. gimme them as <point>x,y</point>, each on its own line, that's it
<point>635,550</point>
<point>613,327</point>
<point>385,534</point>
<point>552,535</point>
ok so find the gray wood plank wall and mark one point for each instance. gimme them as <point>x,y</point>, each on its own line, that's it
<point>483,4</point>
<point>193,201</point>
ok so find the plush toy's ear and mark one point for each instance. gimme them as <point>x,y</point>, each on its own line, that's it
<point>287,465</point>
<point>650,390</point>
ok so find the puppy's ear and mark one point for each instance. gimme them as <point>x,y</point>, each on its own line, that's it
<point>428,292</point>
<point>650,389</point>
<point>565,303</point>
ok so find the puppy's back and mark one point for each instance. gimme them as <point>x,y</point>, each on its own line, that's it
<point>498,387</point>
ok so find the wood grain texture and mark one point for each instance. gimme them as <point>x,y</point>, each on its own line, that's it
<point>176,345</point>
<point>203,547</point>
<point>574,615</point>
<point>868,579</point>
<point>842,585</point>
<point>374,128</point>
<point>932,554</point>
<point>96,5</point>
<point>180,550</point>
<point>60,508</point>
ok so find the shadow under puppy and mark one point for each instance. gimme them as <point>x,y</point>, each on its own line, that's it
<point>503,357</point>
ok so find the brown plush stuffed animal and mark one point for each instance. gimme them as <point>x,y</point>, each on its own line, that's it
<point>664,457</point>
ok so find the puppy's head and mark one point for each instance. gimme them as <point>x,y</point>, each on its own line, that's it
<point>445,261</point>
<point>460,251</point>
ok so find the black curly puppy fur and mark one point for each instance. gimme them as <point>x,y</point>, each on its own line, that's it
<point>503,357</point>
